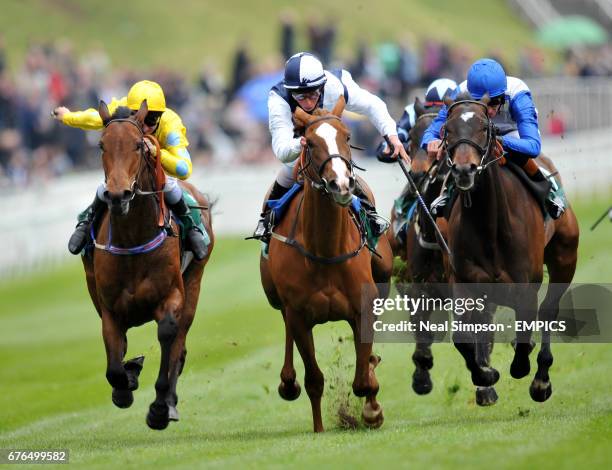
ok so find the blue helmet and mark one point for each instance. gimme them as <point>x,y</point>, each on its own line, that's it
<point>303,71</point>
<point>486,76</point>
<point>437,90</point>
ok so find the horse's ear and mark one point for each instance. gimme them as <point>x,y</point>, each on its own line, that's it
<point>104,112</point>
<point>485,99</point>
<point>448,101</point>
<point>301,118</point>
<point>339,107</point>
<point>142,112</point>
<point>419,108</point>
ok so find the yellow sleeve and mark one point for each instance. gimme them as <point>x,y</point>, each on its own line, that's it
<point>90,118</point>
<point>172,136</point>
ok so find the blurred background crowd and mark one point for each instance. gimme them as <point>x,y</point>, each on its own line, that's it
<point>226,114</point>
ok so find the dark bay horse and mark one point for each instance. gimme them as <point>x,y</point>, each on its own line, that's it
<point>134,271</point>
<point>497,234</point>
<point>421,252</point>
<point>318,269</point>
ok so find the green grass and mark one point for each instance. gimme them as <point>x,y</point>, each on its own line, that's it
<point>55,395</point>
<point>184,34</point>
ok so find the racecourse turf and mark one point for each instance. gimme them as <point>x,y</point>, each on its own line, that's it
<point>54,393</point>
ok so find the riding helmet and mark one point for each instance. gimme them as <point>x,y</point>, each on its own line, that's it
<point>303,71</point>
<point>486,76</point>
<point>146,90</point>
<point>437,90</point>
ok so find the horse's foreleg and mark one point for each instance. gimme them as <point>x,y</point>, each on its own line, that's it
<point>116,344</point>
<point>526,311</point>
<point>313,377</point>
<point>167,330</point>
<point>289,389</point>
<point>485,396</point>
<point>422,356</point>
<point>365,383</point>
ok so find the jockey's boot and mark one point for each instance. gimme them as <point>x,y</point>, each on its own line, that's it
<point>263,229</point>
<point>377,224</point>
<point>80,236</point>
<point>198,243</point>
<point>554,203</point>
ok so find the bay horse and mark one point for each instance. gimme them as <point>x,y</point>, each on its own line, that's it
<point>497,234</point>
<point>318,269</point>
<point>133,271</point>
<point>421,252</point>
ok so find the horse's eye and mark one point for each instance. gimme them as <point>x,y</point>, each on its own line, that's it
<point>139,146</point>
<point>101,145</point>
<point>348,137</point>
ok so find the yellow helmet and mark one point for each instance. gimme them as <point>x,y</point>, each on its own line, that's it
<point>146,90</point>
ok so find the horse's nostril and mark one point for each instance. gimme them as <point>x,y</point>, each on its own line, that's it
<point>127,194</point>
<point>473,167</point>
<point>333,186</point>
<point>351,182</point>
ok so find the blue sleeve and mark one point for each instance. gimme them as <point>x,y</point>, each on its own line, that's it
<point>523,112</point>
<point>433,131</point>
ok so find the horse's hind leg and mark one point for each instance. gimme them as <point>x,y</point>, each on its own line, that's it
<point>365,383</point>
<point>560,256</point>
<point>116,344</point>
<point>178,355</point>
<point>289,389</point>
<point>313,377</point>
<point>158,415</point>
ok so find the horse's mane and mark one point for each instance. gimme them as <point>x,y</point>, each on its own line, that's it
<point>464,95</point>
<point>122,112</point>
<point>325,112</point>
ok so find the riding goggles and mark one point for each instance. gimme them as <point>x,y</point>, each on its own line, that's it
<point>152,118</point>
<point>306,95</point>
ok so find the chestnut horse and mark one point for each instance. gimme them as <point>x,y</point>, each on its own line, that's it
<point>497,234</point>
<point>134,271</point>
<point>318,269</point>
<point>421,251</point>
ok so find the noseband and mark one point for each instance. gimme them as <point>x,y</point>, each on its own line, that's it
<point>320,184</point>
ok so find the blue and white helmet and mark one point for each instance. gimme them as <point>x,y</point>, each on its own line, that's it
<point>486,76</point>
<point>303,71</point>
<point>437,90</point>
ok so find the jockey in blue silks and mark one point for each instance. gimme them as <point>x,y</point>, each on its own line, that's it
<point>513,113</point>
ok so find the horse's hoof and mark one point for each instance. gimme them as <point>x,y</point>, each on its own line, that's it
<point>485,377</point>
<point>157,417</point>
<point>372,418</point>
<point>421,382</point>
<point>540,391</point>
<point>520,366</point>
<point>289,391</point>
<point>122,398</point>
<point>173,414</point>
<point>486,396</point>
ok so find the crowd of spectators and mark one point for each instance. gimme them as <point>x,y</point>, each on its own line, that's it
<point>226,119</point>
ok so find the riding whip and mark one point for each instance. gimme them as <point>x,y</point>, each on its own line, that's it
<point>414,187</point>
<point>608,211</point>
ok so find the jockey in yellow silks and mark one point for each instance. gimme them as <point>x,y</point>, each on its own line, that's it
<point>168,128</point>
